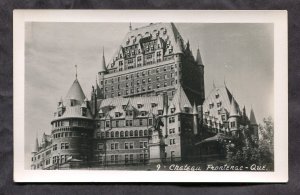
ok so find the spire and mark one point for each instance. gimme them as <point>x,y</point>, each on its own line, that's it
<point>198,58</point>
<point>252,118</point>
<point>103,64</point>
<point>36,148</point>
<point>234,108</point>
<point>76,71</point>
<point>130,27</point>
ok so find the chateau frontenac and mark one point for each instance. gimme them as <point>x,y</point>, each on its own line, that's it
<point>148,105</point>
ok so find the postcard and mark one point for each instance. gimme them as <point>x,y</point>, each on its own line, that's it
<point>150,96</point>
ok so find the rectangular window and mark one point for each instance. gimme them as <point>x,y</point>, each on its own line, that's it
<point>126,145</point>
<point>131,145</point>
<point>150,121</point>
<point>54,147</point>
<point>141,122</point>
<point>107,123</point>
<point>100,146</point>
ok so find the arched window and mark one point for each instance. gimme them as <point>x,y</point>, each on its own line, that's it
<point>136,133</point>
<point>126,133</point>
<point>131,133</point>
<point>141,133</point>
<point>112,134</point>
<point>146,132</point>
<point>122,134</point>
<point>117,134</point>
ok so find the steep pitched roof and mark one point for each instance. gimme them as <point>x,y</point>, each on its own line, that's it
<point>218,96</point>
<point>75,92</point>
<point>198,58</point>
<point>167,32</point>
<point>180,100</point>
<point>234,111</point>
<point>252,118</point>
<point>103,64</point>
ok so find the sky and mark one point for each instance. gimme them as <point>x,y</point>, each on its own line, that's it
<point>241,55</point>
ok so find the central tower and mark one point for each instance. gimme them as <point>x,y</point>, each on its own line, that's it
<point>153,60</point>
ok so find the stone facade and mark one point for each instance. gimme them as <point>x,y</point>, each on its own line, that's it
<point>148,105</point>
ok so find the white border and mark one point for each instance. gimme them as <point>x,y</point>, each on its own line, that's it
<point>278,18</point>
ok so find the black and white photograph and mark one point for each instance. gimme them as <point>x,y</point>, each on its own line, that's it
<point>157,96</point>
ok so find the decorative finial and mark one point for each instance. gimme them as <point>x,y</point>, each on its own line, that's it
<point>214,86</point>
<point>103,51</point>
<point>130,27</point>
<point>76,71</point>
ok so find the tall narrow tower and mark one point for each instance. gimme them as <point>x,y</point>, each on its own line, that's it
<point>101,73</point>
<point>201,68</point>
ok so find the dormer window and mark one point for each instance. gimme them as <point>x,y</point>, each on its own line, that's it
<point>72,102</point>
<point>117,114</point>
<point>123,106</point>
<point>101,115</point>
<point>83,111</point>
<point>160,112</point>
<point>219,104</point>
<point>140,105</point>
<point>172,110</point>
<point>143,113</point>
<point>153,105</point>
<point>211,105</point>
<point>217,95</point>
<point>186,109</point>
<point>129,113</point>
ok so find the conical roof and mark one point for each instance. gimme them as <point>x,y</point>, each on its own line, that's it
<point>36,148</point>
<point>103,64</point>
<point>198,58</point>
<point>234,111</point>
<point>252,118</point>
<point>75,92</point>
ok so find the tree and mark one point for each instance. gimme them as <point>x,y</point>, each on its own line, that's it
<point>244,150</point>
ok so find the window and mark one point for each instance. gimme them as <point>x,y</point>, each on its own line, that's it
<point>143,144</point>
<point>107,123</point>
<point>232,124</point>
<point>172,141</point>
<point>211,105</point>
<point>143,113</point>
<point>122,134</point>
<point>112,134</point>
<point>145,132</point>
<point>54,147</point>
<point>172,119</point>
<point>136,133</point>
<point>140,105</point>
<point>141,122</point>
<point>165,84</point>
<point>172,75</point>
<point>217,95</point>
<point>172,131</point>
<point>126,145</point>
<point>100,146</point>
<point>172,110</point>
<point>131,145</point>
<point>117,123</point>
<point>100,159</point>
<point>140,133</point>
<point>117,114</point>
<point>158,86</point>
<point>114,146</point>
<point>219,104</point>
<point>150,122</point>
<point>117,134</point>
<point>128,123</point>
<point>157,78</point>
<point>64,146</point>
<point>126,133</point>
<point>126,158</point>
<point>149,80</point>
<point>160,112</point>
